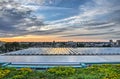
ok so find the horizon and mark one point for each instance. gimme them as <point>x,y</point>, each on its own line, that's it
<point>51,40</point>
<point>59,20</point>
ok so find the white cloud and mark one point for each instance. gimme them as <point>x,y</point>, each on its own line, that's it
<point>91,14</point>
<point>40,2</point>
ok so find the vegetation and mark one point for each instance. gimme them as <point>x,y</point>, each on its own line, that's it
<point>12,46</point>
<point>92,72</point>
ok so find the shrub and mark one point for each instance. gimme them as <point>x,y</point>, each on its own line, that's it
<point>4,73</point>
<point>62,71</point>
<point>18,77</point>
<point>26,69</point>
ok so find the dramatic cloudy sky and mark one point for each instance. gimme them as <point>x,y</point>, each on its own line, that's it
<point>48,20</point>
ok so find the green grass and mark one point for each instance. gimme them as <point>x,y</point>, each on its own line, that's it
<point>105,71</point>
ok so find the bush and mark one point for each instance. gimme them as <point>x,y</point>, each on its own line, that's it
<point>62,71</point>
<point>4,73</point>
<point>18,77</point>
<point>26,69</point>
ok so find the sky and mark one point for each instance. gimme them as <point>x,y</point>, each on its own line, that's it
<point>59,20</point>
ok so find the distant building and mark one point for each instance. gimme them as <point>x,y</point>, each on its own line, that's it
<point>111,43</point>
<point>98,45</point>
<point>118,42</point>
<point>57,44</point>
<point>71,44</point>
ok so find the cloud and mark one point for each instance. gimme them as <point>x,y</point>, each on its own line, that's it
<point>96,15</point>
<point>15,18</point>
<point>51,17</point>
<point>93,34</point>
<point>100,26</point>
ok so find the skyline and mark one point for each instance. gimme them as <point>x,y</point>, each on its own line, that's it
<point>50,40</point>
<point>59,20</point>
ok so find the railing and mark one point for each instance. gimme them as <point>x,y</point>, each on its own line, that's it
<point>50,65</point>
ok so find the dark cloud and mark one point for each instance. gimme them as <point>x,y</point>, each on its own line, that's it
<point>93,34</point>
<point>46,32</point>
<point>14,16</point>
<point>101,27</point>
<point>95,23</point>
<point>40,32</point>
